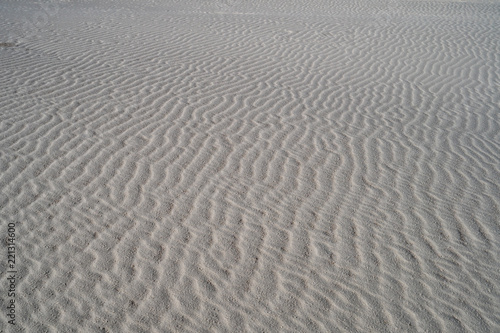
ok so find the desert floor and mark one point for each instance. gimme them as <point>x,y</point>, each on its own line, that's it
<point>250,166</point>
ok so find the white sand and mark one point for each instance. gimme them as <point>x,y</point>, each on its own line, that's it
<point>251,166</point>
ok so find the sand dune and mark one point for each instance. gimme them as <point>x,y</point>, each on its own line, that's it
<point>240,166</point>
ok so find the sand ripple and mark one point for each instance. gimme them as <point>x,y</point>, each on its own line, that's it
<point>253,167</point>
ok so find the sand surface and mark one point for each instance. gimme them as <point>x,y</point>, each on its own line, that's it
<point>251,166</point>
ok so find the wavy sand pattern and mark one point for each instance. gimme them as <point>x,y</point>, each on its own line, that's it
<point>237,166</point>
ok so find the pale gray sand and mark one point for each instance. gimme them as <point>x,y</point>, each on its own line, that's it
<point>239,166</point>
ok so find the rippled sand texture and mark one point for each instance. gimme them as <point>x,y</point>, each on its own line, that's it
<point>237,166</point>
